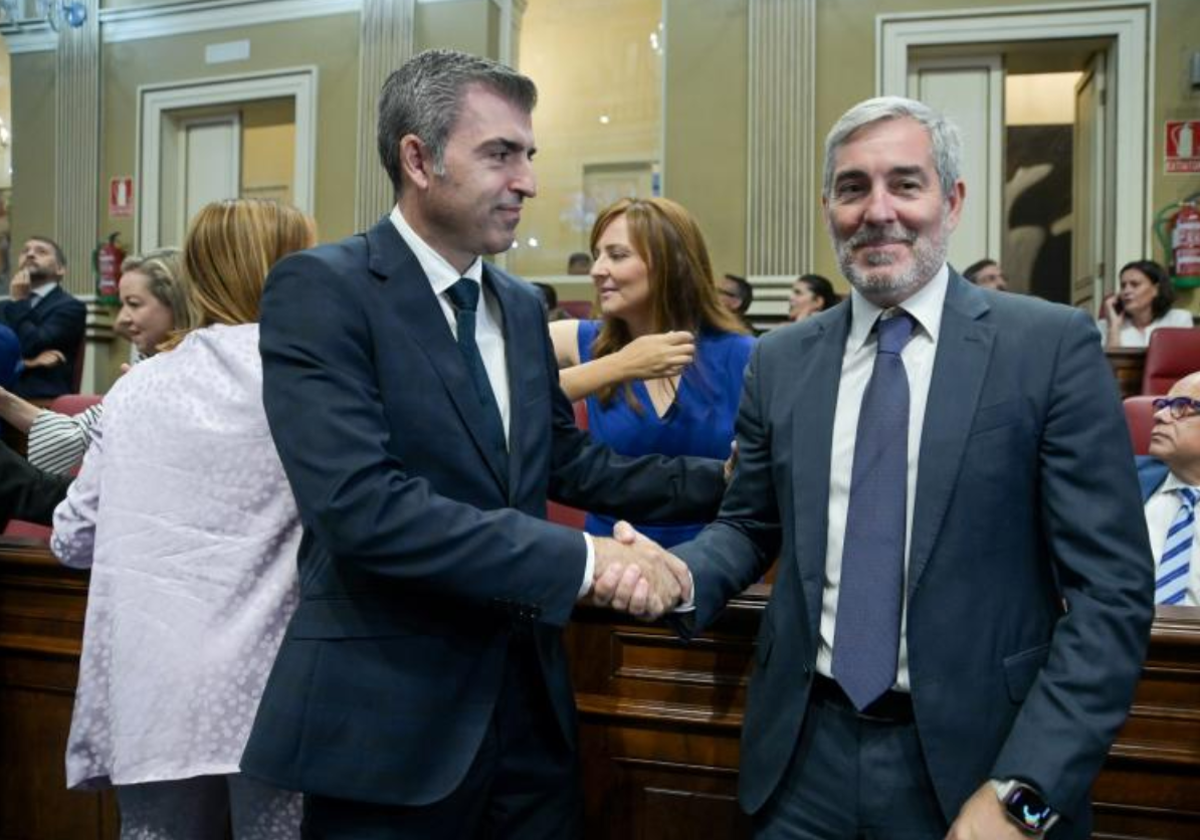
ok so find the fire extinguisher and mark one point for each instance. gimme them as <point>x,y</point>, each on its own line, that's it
<point>106,263</point>
<point>1177,227</point>
<point>1185,242</point>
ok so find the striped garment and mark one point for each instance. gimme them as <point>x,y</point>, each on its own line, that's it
<point>57,441</point>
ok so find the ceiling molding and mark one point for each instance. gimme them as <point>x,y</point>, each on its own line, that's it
<point>168,19</point>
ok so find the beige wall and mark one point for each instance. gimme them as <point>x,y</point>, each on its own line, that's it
<point>461,25</point>
<point>329,43</point>
<point>588,60</point>
<point>268,148</point>
<point>34,85</point>
<point>704,149</point>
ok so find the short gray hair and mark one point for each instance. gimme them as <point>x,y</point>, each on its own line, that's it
<point>943,135</point>
<point>423,97</point>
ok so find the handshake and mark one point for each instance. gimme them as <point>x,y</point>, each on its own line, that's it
<point>634,574</point>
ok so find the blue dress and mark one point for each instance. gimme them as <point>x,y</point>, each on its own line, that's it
<point>699,422</point>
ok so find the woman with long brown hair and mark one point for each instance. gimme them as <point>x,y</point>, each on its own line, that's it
<point>653,277</point>
<point>185,517</point>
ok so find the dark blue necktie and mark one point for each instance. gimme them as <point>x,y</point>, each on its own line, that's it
<point>867,636</point>
<point>464,294</point>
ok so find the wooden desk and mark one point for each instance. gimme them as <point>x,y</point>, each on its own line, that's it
<point>659,720</point>
<point>1128,363</point>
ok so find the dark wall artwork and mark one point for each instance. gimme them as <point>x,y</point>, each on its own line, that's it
<point>1037,197</point>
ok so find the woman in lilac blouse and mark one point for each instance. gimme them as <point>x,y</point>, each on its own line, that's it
<point>184,515</point>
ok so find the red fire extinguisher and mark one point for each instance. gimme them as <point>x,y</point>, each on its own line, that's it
<point>1185,242</point>
<point>106,262</point>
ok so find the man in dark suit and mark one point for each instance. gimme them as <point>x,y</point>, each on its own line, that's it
<point>1170,483</point>
<point>26,492</point>
<point>963,600</point>
<point>48,321</point>
<point>421,690</point>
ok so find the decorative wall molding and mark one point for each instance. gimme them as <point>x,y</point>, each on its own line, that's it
<point>168,19</point>
<point>781,146</point>
<point>164,20</point>
<point>77,147</point>
<point>385,42</point>
<point>299,84</point>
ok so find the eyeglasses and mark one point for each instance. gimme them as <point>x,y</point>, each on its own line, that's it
<point>1180,407</point>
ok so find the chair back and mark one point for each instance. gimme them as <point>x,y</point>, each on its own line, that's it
<point>1139,416</point>
<point>1172,354</point>
<point>72,404</point>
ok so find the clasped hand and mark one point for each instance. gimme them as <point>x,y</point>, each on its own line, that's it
<point>636,575</point>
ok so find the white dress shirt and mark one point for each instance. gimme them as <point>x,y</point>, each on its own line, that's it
<point>858,361</point>
<point>489,336</point>
<point>1132,336</point>
<point>40,291</point>
<point>1161,508</point>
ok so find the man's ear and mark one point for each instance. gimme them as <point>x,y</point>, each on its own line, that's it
<point>416,163</point>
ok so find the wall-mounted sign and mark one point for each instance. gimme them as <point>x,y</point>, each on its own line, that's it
<point>1183,146</point>
<point>120,198</point>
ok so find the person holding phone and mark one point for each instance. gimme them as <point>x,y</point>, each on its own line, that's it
<point>1142,305</point>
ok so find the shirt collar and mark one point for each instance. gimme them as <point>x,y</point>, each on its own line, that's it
<point>43,289</point>
<point>1173,483</point>
<point>925,306</point>
<point>440,273</point>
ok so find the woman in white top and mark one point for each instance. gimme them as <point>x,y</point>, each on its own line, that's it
<point>1142,306</point>
<point>184,515</point>
<point>153,303</point>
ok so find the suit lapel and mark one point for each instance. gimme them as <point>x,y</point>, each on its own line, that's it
<point>819,372</point>
<point>416,306</point>
<point>960,366</point>
<point>524,366</point>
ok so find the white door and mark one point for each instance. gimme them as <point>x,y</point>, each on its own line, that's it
<point>209,166</point>
<point>970,91</point>
<point>1092,242</point>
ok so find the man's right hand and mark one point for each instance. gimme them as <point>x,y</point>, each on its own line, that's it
<point>19,287</point>
<point>636,575</point>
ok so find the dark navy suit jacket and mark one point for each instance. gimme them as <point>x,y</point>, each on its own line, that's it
<point>419,562</point>
<point>56,323</point>
<point>1023,500</point>
<point>1151,473</point>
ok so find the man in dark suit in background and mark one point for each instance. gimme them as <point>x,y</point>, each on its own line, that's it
<point>48,321</point>
<point>963,598</point>
<point>1170,482</point>
<point>422,689</point>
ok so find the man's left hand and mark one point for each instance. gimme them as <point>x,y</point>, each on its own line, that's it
<point>982,818</point>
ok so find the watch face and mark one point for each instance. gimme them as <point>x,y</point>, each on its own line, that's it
<point>1027,808</point>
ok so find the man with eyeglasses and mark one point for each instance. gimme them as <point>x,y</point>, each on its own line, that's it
<point>1170,479</point>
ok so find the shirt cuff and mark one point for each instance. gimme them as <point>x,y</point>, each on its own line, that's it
<point>690,604</point>
<point>589,568</point>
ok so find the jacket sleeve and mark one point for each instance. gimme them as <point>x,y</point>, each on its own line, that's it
<point>1095,532</point>
<point>25,492</point>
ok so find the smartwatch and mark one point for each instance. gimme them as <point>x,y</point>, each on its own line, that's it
<point>1025,807</point>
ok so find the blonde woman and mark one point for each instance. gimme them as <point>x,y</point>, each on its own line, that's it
<point>154,303</point>
<point>184,515</point>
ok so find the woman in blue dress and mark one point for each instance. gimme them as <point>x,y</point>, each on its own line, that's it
<point>662,369</point>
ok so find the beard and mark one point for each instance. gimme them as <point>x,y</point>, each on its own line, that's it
<point>39,274</point>
<point>882,287</point>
